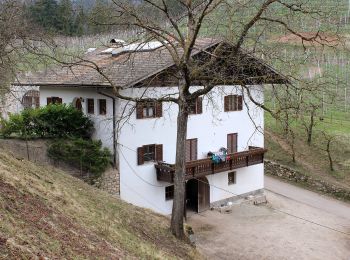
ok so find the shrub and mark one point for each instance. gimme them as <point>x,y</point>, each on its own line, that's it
<point>88,155</point>
<point>52,121</point>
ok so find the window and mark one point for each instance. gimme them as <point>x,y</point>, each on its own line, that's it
<point>54,100</point>
<point>231,178</point>
<point>169,192</point>
<point>31,99</point>
<point>149,153</point>
<point>233,103</point>
<point>102,106</point>
<point>196,107</point>
<point>232,143</point>
<point>191,150</point>
<point>149,110</point>
<point>91,106</point>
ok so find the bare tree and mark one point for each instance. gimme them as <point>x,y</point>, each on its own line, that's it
<point>179,31</point>
<point>329,139</point>
<point>17,38</point>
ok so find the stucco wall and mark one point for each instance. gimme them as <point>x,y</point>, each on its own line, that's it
<point>11,102</point>
<point>102,123</point>
<point>138,183</point>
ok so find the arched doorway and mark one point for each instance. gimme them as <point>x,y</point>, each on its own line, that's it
<point>198,194</point>
<point>77,104</point>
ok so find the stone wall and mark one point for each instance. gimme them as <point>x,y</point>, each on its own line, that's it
<point>110,182</point>
<point>284,172</point>
<point>36,151</point>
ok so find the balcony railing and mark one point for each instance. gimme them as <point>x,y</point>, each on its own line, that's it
<point>203,167</point>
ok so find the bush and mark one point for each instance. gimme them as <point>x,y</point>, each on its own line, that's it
<point>87,155</point>
<point>52,121</point>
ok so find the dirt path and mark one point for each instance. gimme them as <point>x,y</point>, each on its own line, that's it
<point>308,197</point>
<point>260,232</point>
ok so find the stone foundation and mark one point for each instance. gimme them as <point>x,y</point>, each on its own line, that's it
<point>236,199</point>
<point>110,182</point>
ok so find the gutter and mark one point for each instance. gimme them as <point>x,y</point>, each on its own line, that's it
<point>114,128</point>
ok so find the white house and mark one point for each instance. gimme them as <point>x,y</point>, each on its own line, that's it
<point>143,136</point>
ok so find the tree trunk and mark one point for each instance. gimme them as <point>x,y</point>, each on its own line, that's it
<point>310,128</point>
<point>292,145</point>
<point>180,169</point>
<point>329,155</point>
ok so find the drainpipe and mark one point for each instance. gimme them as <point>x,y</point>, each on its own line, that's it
<point>114,128</point>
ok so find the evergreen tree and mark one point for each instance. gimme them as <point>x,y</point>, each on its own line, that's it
<point>80,22</point>
<point>45,13</point>
<point>65,17</point>
<point>100,16</point>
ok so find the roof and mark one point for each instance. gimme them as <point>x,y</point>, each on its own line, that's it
<point>125,69</point>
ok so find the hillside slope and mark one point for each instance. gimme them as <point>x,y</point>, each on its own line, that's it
<point>45,213</point>
<point>312,161</point>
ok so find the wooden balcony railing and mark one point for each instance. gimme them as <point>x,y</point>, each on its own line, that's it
<point>203,167</point>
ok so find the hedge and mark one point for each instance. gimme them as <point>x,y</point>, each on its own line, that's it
<point>52,121</point>
<point>87,155</point>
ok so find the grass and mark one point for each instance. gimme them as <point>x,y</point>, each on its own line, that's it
<point>312,160</point>
<point>45,212</point>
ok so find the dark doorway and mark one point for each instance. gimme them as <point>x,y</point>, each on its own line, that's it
<point>198,195</point>
<point>192,195</point>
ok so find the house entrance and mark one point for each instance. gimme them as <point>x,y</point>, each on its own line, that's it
<point>198,195</point>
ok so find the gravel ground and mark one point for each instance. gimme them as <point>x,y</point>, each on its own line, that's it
<point>260,232</point>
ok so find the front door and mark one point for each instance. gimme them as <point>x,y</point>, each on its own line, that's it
<point>198,195</point>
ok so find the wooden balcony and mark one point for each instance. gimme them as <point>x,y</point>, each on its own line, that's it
<point>203,167</point>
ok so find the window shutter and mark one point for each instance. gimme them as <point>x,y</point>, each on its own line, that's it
<point>240,102</point>
<point>49,100</point>
<point>139,110</point>
<point>140,156</point>
<point>226,103</point>
<point>159,152</point>
<point>188,150</point>
<point>234,143</point>
<point>159,109</point>
<point>194,149</point>
<point>199,105</point>
<point>229,143</point>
